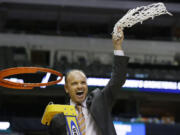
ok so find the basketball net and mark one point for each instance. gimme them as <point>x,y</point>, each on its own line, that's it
<point>137,15</point>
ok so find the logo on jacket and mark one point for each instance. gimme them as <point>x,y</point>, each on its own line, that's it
<point>74,129</point>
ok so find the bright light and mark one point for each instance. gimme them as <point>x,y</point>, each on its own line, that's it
<point>45,79</point>
<point>169,85</point>
<point>62,82</point>
<point>16,80</point>
<point>178,86</point>
<point>129,128</point>
<point>152,84</point>
<point>122,129</point>
<point>130,83</point>
<point>4,125</point>
<point>133,84</point>
<point>97,81</point>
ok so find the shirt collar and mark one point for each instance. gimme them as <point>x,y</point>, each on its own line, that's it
<point>74,104</point>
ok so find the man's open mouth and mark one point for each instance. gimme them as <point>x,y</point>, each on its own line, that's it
<point>79,93</point>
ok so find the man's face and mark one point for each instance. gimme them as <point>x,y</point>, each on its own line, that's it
<point>76,86</point>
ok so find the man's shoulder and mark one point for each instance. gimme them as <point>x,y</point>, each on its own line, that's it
<point>91,96</point>
<point>95,91</point>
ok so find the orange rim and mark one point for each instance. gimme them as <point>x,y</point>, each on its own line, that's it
<point>21,70</point>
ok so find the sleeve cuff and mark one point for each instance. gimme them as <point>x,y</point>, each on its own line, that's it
<point>119,52</point>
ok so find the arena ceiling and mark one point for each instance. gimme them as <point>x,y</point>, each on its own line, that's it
<point>57,14</point>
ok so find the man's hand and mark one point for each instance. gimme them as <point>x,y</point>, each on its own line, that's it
<point>118,42</point>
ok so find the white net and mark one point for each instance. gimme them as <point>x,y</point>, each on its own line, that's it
<point>137,15</point>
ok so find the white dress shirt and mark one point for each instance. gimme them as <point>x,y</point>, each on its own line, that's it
<point>119,52</point>
<point>91,127</point>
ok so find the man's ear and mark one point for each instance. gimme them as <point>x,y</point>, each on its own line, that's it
<point>66,88</point>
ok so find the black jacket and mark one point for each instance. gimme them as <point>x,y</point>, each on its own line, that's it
<point>100,102</point>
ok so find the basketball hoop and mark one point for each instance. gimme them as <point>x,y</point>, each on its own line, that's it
<point>21,70</point>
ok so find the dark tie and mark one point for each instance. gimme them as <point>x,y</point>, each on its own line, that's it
<point>81,120</point>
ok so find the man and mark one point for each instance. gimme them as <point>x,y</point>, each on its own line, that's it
<point>96,106</point>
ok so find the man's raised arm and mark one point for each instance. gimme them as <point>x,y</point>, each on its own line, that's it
<point>119,70</point>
